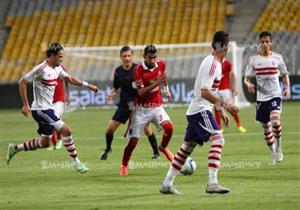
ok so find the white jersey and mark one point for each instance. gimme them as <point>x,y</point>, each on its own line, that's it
<point>267,70</point>
<point>208,77</point>
<point>44,81</point>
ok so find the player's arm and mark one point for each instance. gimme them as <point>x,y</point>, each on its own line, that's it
<point>77,82</point>
<point>235,89</point>
<point>116,86</point>
<point>250,86</point>
<point>67,99</point>
<point>219,103</point>
<point>286,82</point>
<point>23,93</point>
<point>142,91</point>
<point>112,94</point>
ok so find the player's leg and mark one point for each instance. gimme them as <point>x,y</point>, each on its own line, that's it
<point>138,121</point>
<point>276,125</point>
<point>263,116</point>
<point>162,120</point>
<point>152,140</point>
<point>69,144</point>
<point>58,108</point>
<point>121,115</point>
<point>218,119</point>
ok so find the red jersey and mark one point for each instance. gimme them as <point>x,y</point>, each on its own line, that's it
<point>59,90</point>
<point>225,80</point>
<point>144,77</point>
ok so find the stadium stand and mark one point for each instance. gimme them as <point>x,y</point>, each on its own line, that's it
<point>34,24</point>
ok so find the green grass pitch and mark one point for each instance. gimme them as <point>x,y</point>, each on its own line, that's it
<point>46,180</point>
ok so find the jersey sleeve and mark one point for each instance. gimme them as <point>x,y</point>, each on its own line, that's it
<point>208,74</point>
<point>116,82</point>
<point>250,69</point>
<point>63,73</point>
<point>30,75</point>
<point>282,67</point>
<point>137,75</point>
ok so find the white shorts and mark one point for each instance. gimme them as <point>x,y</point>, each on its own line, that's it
<point>58,108</point>
<point>141,117</point>
<point>226,95</point>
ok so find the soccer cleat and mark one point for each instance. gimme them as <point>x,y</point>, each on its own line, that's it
<point>216,188</point>
<point>104,154</point>
<point>242,129</point>
<point>80,167</point>
<point>10,153</point>
<point>272,159</point>
<point>155,156</point>
<point>169,155</point>
<point>58,144</point>
<point>169,190</point>
<point>51,148</point>
<point>278,154</point>
<point>123,170</point>
<point>222,130</point>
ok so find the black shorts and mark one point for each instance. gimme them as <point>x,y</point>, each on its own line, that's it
<point>121,114</point>
<point>264,109</point>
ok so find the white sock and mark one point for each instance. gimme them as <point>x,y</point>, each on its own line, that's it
<point>213,176</point>
<point>169,179</point>
<point>272,148</point>
<point>77,161</point>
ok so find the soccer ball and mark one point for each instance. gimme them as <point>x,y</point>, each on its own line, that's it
<point>189,167</point>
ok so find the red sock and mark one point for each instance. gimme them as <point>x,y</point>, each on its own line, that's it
<point>128,151</point>
<point>54,138</point>
<point>237,119</point>
<point>218,118</point>
<point>167,135</point>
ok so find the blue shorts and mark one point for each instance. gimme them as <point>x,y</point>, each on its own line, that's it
<point>200,127</point>
<point>264,109</point>
<point>47,121</point>
<point>121,114</point>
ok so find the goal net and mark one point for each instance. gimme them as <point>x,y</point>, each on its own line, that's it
<point>97,64</point>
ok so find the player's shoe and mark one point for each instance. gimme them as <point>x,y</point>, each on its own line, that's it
<point>222,130</point>
<point>155,156</point>
<point>58,144</point>
<point>216,188</point>
<point>104,154</point>
<point>10,153</point>
<point>242,129</point>
<point>169,155</point>
<point>123,170</point>
<point>279,155</point>
<point>169,190</point>
<point>272,159</point>
<point>80,167</point>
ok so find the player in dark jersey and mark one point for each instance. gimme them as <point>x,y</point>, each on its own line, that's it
<point>123,78</point>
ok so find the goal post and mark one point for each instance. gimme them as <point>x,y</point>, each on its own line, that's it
<point>182,60</point>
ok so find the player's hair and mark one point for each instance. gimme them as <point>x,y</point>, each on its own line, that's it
<point>150,49</point>
<point>265,34</point>
<point>220,39</point>
<point>53,49</point>
<point>125,49</point>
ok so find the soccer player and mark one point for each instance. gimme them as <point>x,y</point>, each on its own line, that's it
<point>202,126</point>
<point>267,66</point>
<point>148,76</point>
<point>58,106</point>
<point>227,94</point>
<point>44,77</point>
<point>123,79</point>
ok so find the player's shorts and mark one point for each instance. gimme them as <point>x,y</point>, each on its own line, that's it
<point>58,108</point>
<point>121,114</point>
<point>226,95</point>
<point>200,127</point>
<point>264,109</point>
<point>47,121</point>
<point>141,117</point>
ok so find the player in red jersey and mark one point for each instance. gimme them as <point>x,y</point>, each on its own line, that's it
<point>58,105</point>
<point>148,76</point>
<point>227,94</point>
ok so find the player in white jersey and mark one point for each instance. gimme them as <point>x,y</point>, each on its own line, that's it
<point>44,78</point>
<point>201,123</point>
<point>267,66</point>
